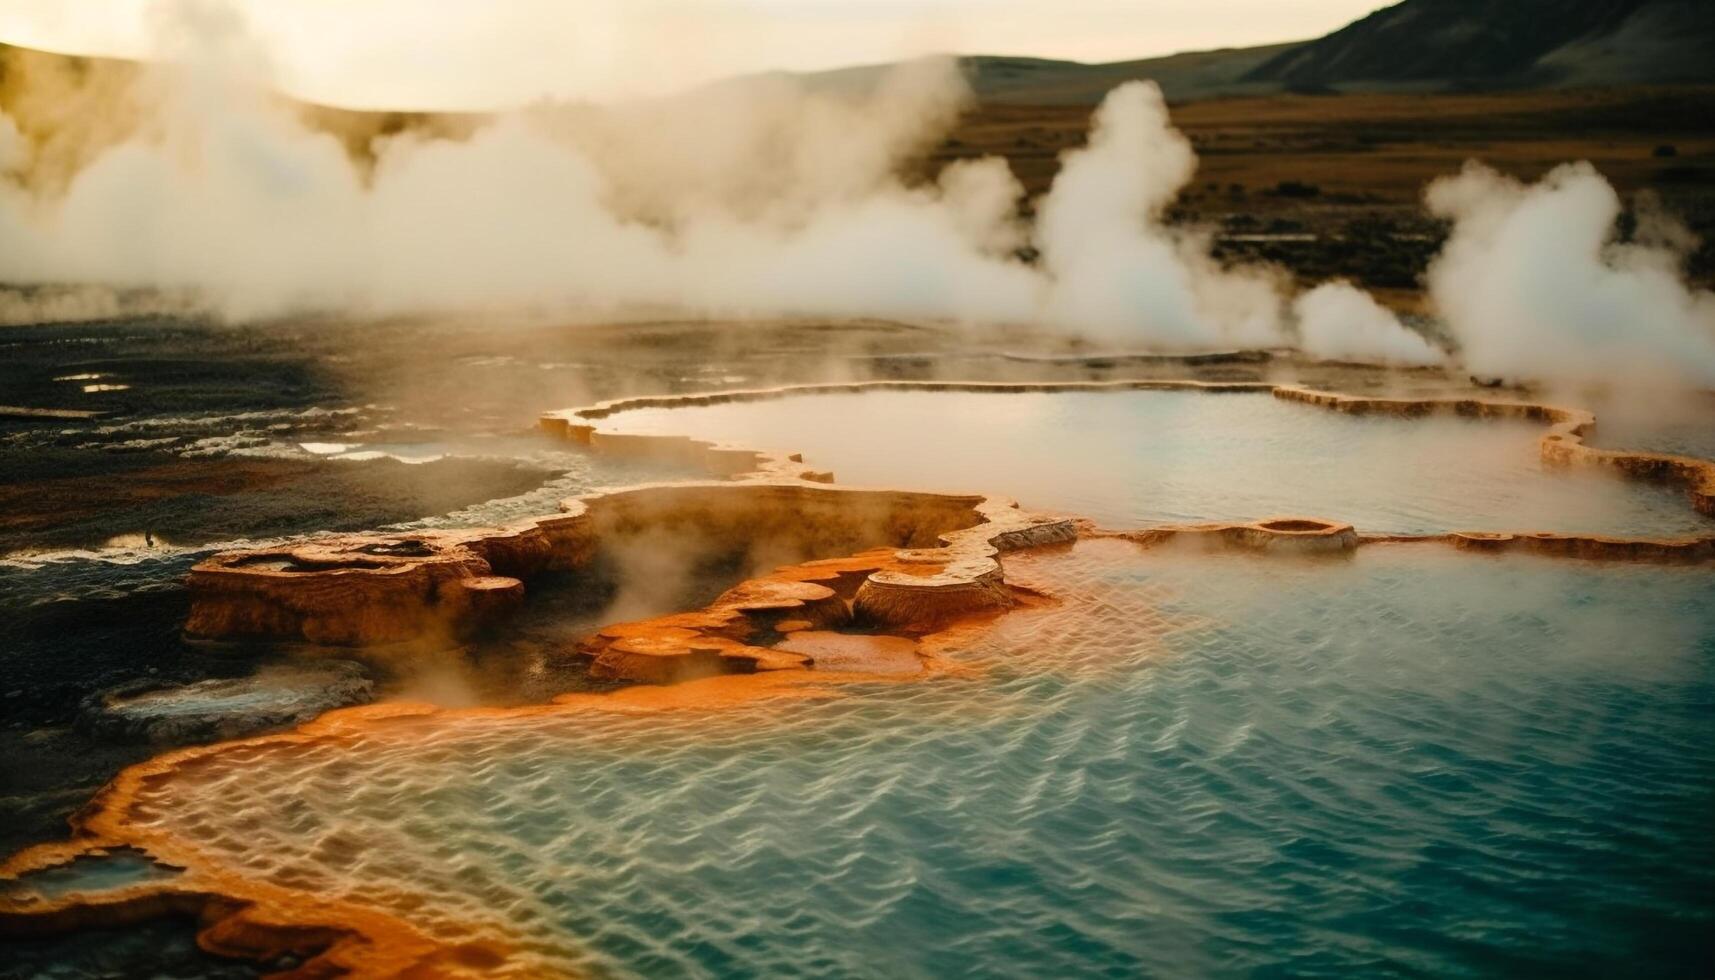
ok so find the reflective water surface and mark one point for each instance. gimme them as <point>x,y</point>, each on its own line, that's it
<point>1127,458</point>
<point>1405,762</point>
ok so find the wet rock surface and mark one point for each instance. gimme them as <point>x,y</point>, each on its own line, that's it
<point>162,949</point>
<point>220,708</point>
<point>151,502</point>
<point>116,659</point>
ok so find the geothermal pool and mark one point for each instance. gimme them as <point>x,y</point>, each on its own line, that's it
<point>1404,761</point>
<point>1131,458</point>
<point>78,621</point>
<point>1681,430</point>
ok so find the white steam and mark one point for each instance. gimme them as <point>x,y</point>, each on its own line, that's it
<point>1115,268</point>
<point>767,197</point>
<point>751,199</point>
<point>760,197</point>
<point>1339,321</point>
<point>1533,286</point>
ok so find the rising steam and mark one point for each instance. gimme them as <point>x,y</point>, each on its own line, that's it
<point>741,199</point>
<point>1339,321</point>
<point>767,197</point>
<point>745,199</point>
<point>1112,266</point>
<point>748,198</point>
<point>1533,285</point>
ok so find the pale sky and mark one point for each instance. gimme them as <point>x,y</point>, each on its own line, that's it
<point>486,53</point>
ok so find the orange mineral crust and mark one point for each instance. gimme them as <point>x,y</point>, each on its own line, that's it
<point>262,914</point>
<point>1563,444</point>
<point>431,588</point>
<point>874,586</point>
<point>807,600</point>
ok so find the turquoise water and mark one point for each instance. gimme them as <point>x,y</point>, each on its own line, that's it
<point>1409,762</point>
<point>118,869</point>
<point>1130,458</point>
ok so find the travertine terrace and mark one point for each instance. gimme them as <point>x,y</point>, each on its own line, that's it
<point>379,590</point>
<point>387,590</point>
<point>376,591</point>
<point>927,567</point>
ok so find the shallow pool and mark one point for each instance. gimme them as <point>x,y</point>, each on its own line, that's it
<point>1405,762</point>
<point>76,621</point>
<point>1128,458</point>
<point>1682,427</point>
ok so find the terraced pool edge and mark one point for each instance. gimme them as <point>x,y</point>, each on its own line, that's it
<point>934,590</point>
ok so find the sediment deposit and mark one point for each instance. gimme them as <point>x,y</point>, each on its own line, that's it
<point>869,583</point>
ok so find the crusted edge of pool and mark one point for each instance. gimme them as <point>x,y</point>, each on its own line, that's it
<point>1562,445</point>
<point>348,590</point>
<point>244,917</point>
<point>372,590</point>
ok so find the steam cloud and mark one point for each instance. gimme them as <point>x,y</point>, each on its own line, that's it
<point>787,203</point>
<point>748,198</point>
<point>1532,284</point>
<point>1112,265</point>
<point>1340,321</point>
<point>764,197</point>
<point>742,199</point>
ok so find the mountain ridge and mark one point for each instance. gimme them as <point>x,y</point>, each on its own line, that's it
<point>1422,46</point>
<point>1464,44</point>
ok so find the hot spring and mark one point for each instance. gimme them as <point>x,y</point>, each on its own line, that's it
<point>1406,761</point>
<point>1131,755</point>
<point>1132,458</point>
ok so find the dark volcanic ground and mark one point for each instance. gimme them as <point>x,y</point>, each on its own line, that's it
<point>196,442</point>
<point>131,449</point>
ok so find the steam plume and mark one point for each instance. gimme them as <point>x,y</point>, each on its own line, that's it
<point>1339,321</point>
<point>1532,284</point>
<point>742,199</point>
<point>748,198</point>
<point>759,197</point>
<point>1116,269</point>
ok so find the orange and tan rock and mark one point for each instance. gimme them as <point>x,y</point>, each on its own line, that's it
<point>352,591</point>
<point>379,590</point>
<point>931,559</point>
<point>1288,535</point>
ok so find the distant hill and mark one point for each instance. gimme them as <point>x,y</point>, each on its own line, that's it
<point>1045,81</point>
<point>1446,44</point>
<point>1182,77</point>
<point>1416,45</point>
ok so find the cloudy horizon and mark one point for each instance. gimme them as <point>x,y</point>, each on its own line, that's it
<point>470,54</point>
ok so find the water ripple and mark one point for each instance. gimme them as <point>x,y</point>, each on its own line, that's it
<point>1409,762</point>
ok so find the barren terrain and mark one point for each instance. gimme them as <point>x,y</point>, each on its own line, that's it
<point>1350,169</point>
